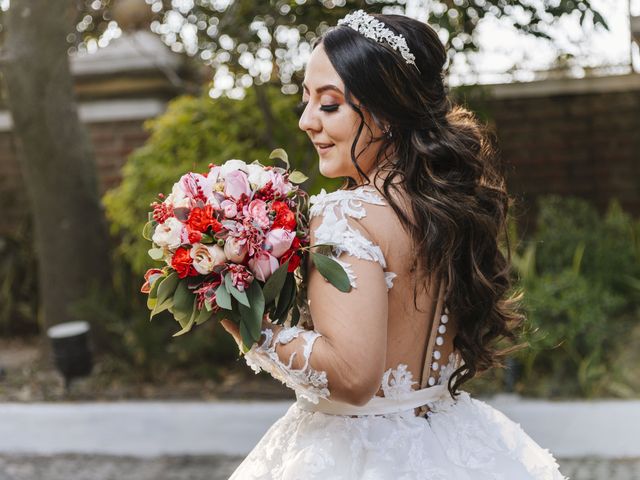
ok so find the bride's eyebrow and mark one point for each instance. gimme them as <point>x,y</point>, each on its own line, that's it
<point>329,86</point>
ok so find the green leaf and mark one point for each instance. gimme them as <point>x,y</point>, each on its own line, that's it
<point>203,316</point>
<point>282,155</point>
<point>223,299</point>
<point>237,294</point>
<point>206,238</point>
<point>274,284</point>
<point>187,325</point>
<point>286,297</point>
<point>332,271</point>
<point>297,177</point>
<point>252,316</point>
<point>147,231</point>
<point>151,303</point>
<point>156,253</point>
<point>166,290</point>
<point>182,303</point>
<point>247,338</point>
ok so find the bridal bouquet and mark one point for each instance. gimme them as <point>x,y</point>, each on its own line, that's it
<point>232,240</point>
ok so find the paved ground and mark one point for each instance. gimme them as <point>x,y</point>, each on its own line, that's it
<point>100,467</point>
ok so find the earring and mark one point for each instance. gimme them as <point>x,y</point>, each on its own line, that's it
<point>387,131</point>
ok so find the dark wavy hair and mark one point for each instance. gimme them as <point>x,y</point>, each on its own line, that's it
<point>444,163</point>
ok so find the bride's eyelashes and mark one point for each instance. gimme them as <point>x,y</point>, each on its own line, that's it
<point>325,108</point>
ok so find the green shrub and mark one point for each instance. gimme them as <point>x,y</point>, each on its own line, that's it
<point>580,274</point>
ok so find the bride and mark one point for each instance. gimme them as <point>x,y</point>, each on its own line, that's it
<point>378,371</point>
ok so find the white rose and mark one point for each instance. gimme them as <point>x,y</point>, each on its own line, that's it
<point>231,165</point>
<point>258,175</point>
<point>205,257</point>
<point>169,233</point>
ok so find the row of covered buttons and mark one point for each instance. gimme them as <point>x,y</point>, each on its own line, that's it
<point>444,318</point>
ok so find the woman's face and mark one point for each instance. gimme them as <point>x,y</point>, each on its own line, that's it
<point>329,120</point>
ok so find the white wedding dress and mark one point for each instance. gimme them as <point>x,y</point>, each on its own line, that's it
<point>319,438</point>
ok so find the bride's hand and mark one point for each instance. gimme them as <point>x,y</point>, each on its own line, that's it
<point>234,329</point>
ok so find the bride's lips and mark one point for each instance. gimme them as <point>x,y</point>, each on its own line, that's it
<point>323,148</point>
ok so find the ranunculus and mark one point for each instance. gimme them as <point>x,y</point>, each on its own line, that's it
<point>183,263</point>
<point>263,265</point>
<point>169,234</point>
<point>234,250</point>
<point>205,257</point>
<point>236,184</point>
<point>231,166</point>
<point>229,208</point>
<point>278,241</point>
<point>285,218</point>
<point>257,175</point>
<point>257,212</point>
<point>152,275</point>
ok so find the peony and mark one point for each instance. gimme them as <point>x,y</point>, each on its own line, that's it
<point>170,233</point>
<point>235,250</point>
<point>278,183</point>
<point>263,265</point>
<point>205,257</point>
<point>278,241</point>
<point>257,175</point>
<point>257,212</point>
<point>236,184</point>
<point>178,198</point>
<point>231,166</point>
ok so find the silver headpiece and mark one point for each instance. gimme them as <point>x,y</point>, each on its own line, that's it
<point>372,28</point>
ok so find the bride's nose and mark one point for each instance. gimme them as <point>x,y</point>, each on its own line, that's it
<point>309,121</point>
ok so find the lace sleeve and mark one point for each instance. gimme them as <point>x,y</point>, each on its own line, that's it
<point>336,228</point>
<point>306,381</point>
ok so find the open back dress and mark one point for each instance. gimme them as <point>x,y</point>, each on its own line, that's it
<point>411,428</point>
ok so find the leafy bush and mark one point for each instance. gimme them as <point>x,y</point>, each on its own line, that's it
<point>581,274</point>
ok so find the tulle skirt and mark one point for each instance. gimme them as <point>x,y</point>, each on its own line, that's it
<point>462,439</point>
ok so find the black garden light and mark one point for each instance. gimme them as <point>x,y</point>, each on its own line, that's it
<point>71,351</point>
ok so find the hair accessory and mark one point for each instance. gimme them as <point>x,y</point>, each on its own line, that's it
<point>372,28</point>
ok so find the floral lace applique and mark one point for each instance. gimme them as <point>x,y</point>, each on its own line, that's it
<point>336,229</point>
<point>307,382</point>
<point>397,382</point>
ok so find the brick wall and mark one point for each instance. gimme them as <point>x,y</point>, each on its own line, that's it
<point>572,137</point>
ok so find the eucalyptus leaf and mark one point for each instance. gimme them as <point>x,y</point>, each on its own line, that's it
<point>274,284</point>
<point>203,316</point>
<point>332,271</point>
<point>297,177</point>
<point>282,155</point>
<point>223,299</point>
<point>247,337</point>
<point>151,303</point>
<point>147,231</point>
<point>237,294</point>
<point>156,253</point>
<point>153,291</point>
<point>188,325</point>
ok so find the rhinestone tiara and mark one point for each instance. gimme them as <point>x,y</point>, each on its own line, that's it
<point>372,28</point>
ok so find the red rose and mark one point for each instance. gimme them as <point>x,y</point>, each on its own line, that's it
<point>183,263</point>
<point>285,218</point>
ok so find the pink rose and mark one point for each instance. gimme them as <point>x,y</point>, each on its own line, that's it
<point>279,241</point>
<point>236,183</point>
<point>257,212</point>
<point>229,208</point>
<point>263,265</point>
